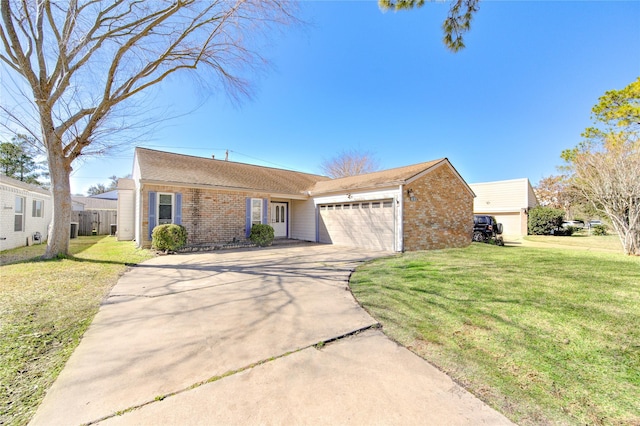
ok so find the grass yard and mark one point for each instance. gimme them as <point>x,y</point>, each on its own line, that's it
<point>45,308</point>
<point>581,240</point>
<point>544,335</point>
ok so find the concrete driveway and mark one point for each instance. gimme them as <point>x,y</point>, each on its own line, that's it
<point>231,337</point>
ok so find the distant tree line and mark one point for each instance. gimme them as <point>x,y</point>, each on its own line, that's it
<point>18,161</point>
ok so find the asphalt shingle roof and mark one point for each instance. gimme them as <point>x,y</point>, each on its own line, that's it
<point>185,169</point>
<point>23,185</point>
<point>382,178</point>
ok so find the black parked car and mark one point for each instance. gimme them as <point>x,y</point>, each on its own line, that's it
<point>486,229</point>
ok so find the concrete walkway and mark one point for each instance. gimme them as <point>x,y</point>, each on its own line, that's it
<point>232,338</point>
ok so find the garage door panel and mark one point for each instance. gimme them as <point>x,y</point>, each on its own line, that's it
<point>370,225</point>
<point>511,223</point>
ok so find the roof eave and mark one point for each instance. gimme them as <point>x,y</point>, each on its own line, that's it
<point>391,184</point>
<point>293,196</point>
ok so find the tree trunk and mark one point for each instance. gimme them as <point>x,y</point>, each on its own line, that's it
<point>59,231</point>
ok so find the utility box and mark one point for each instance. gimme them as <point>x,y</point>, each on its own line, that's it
<point>74,229</point>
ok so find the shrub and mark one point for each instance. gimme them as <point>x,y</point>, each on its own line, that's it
<point>261,235</point>
<point>545,220</point>
<point>168,237</point>
<point>564,232</point>
<point>599,230</point>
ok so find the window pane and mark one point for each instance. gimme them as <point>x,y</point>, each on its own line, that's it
<point>37,208</point>
<point>277,214</point>
<point>18,222</point>
<point>165,199</point>
<point>165,213</point>
<point>256,211</point>
<point>19,205</point>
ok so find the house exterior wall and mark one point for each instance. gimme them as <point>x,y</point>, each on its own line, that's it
<point>501,196</point>
<point>508,201</point>
<point>441,216</point>
<point>126,210</point>
<point>302,218</point>
<point>356,232</point>
<point>9,238</point>
<point>209,216</point>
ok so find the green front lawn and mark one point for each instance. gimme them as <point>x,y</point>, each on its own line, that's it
<point>581,240</point>
<point>45,308</point>
<point>543,335</point>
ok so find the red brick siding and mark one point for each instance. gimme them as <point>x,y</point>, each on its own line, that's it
<point>209,216</point>
<point>441,216</point>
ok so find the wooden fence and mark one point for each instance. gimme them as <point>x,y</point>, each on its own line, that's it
<point>89,221</point>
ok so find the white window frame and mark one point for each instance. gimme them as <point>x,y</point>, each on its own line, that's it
<point>256,208</point>
<point>173,207</point>
<point>23,205</point>
<point>35,212</point>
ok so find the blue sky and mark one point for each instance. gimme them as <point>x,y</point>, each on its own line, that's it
<point>357,78</point>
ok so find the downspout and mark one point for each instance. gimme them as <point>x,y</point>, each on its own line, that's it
<point>400,220</point>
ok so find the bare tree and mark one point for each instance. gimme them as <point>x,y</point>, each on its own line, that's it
<point>84,60</point>
<point>605,166</point>
<point>349,163</point>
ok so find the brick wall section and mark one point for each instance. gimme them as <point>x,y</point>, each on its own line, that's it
<point>441,216</point>
<point>209,216</point>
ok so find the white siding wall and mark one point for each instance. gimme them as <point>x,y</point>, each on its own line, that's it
<point>137,202</point>
<point>532,200</point>
<point>508,201</point>
<point>126,213</point>
<point>501,196</point>
<point>8,237</point>
<point>303,220</point>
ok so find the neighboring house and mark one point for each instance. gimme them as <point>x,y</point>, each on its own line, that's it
<point>93,203</point>
<point>508,200</point>
<point>26,213</point>
<point>417,207</point>
<point>94,215</point>
<point>109,195</point>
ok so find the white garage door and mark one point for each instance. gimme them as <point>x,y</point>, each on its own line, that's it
<point>511,224</point>
<point>365,224</point>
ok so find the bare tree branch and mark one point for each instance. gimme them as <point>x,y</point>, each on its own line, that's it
<point>349,163</point>
<point>85,60</point>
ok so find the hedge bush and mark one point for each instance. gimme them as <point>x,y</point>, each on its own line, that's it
<point>599,230</point>
<point>262,235</point>
<point>168,237</point>
<point>544,220</point>
<point>564,232</point>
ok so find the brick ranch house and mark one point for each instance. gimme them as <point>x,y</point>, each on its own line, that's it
<point>418,207</point>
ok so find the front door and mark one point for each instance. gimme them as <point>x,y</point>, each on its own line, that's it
<point>279,219</point>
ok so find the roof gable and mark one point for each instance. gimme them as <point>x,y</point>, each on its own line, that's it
<point>384,178</point>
